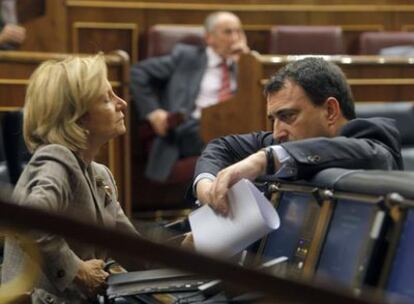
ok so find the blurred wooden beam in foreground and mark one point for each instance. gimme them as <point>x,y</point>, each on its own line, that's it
<point>120,243</point>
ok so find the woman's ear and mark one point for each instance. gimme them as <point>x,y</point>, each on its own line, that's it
<point>83,120</point>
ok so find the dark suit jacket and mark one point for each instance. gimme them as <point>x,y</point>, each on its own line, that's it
<point>170,82</point>
<point>361,144</point>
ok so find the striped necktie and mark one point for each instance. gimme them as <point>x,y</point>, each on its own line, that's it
<point>224,92</point>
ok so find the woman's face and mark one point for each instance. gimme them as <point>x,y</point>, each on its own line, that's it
<point>105,118</point>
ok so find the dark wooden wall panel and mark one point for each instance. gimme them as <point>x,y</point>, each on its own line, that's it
<point>258,16</point>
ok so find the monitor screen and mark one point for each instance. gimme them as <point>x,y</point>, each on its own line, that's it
<point>401,280</point>
<point>298,214</point>
<point>347,239</point>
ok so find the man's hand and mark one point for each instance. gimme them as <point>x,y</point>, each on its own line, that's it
<point>240,47</point>
<point>159,121</point>
<point>214,192</point>
<point>91,277</point>
<point>12,34</point>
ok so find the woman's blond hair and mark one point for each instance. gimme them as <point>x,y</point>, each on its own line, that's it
<point>59,93</point>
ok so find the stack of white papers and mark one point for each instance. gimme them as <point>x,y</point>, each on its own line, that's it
<point>251,217</point>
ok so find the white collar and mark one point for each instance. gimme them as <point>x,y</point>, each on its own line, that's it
<point>214,59</point>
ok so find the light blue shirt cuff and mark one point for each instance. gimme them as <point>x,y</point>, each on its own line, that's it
<point>200,177</point>
<point>288,167</point>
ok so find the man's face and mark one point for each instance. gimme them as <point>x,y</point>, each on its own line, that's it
<point>294,116</point>
<point>227,36</point>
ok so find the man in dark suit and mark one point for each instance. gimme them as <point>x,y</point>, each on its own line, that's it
<point>185,81</point>
<point>312,111</point>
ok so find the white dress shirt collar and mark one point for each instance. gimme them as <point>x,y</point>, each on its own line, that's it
<point>211,83</point>
<point>214,59</point>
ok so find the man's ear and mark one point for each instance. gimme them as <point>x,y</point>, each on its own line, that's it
<point>333,110</point>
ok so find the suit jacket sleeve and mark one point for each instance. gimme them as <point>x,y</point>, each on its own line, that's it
<point>50,189</point>
<point>227,150</point>
<point>361,144</point>
<point>148,76</point>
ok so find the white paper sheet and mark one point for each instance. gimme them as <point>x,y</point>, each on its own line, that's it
<point>251,217</point>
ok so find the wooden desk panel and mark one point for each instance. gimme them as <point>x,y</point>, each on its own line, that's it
<point>372,78</point>
<point>99,17</point>
<point>257,16</point>
<point>15,70</point>
<point>30,9</point>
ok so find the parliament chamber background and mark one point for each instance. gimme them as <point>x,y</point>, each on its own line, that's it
<point>123,30</point>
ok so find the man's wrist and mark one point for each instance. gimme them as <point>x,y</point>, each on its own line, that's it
<point>203,190</point>
<point>199,178</point>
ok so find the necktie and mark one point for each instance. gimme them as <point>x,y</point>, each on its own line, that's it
<point>225,90</point>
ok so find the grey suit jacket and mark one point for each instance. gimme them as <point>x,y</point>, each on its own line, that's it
<point>172,83</point>
<point>8,11</point>
<point>58,181</point>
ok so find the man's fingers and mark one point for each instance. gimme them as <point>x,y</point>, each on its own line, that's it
<point>159,121</point>
<point>219,206</point>
<point>161,126</point>
<point>219,194</point>
<point>14,33</point>
<point>222,203</point>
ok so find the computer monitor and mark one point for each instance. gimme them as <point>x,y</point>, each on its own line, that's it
<point>298,214</point>
<point>400,281</point>
<point>351,244</point>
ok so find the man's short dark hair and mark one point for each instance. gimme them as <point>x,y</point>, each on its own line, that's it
<point>320,79</point>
